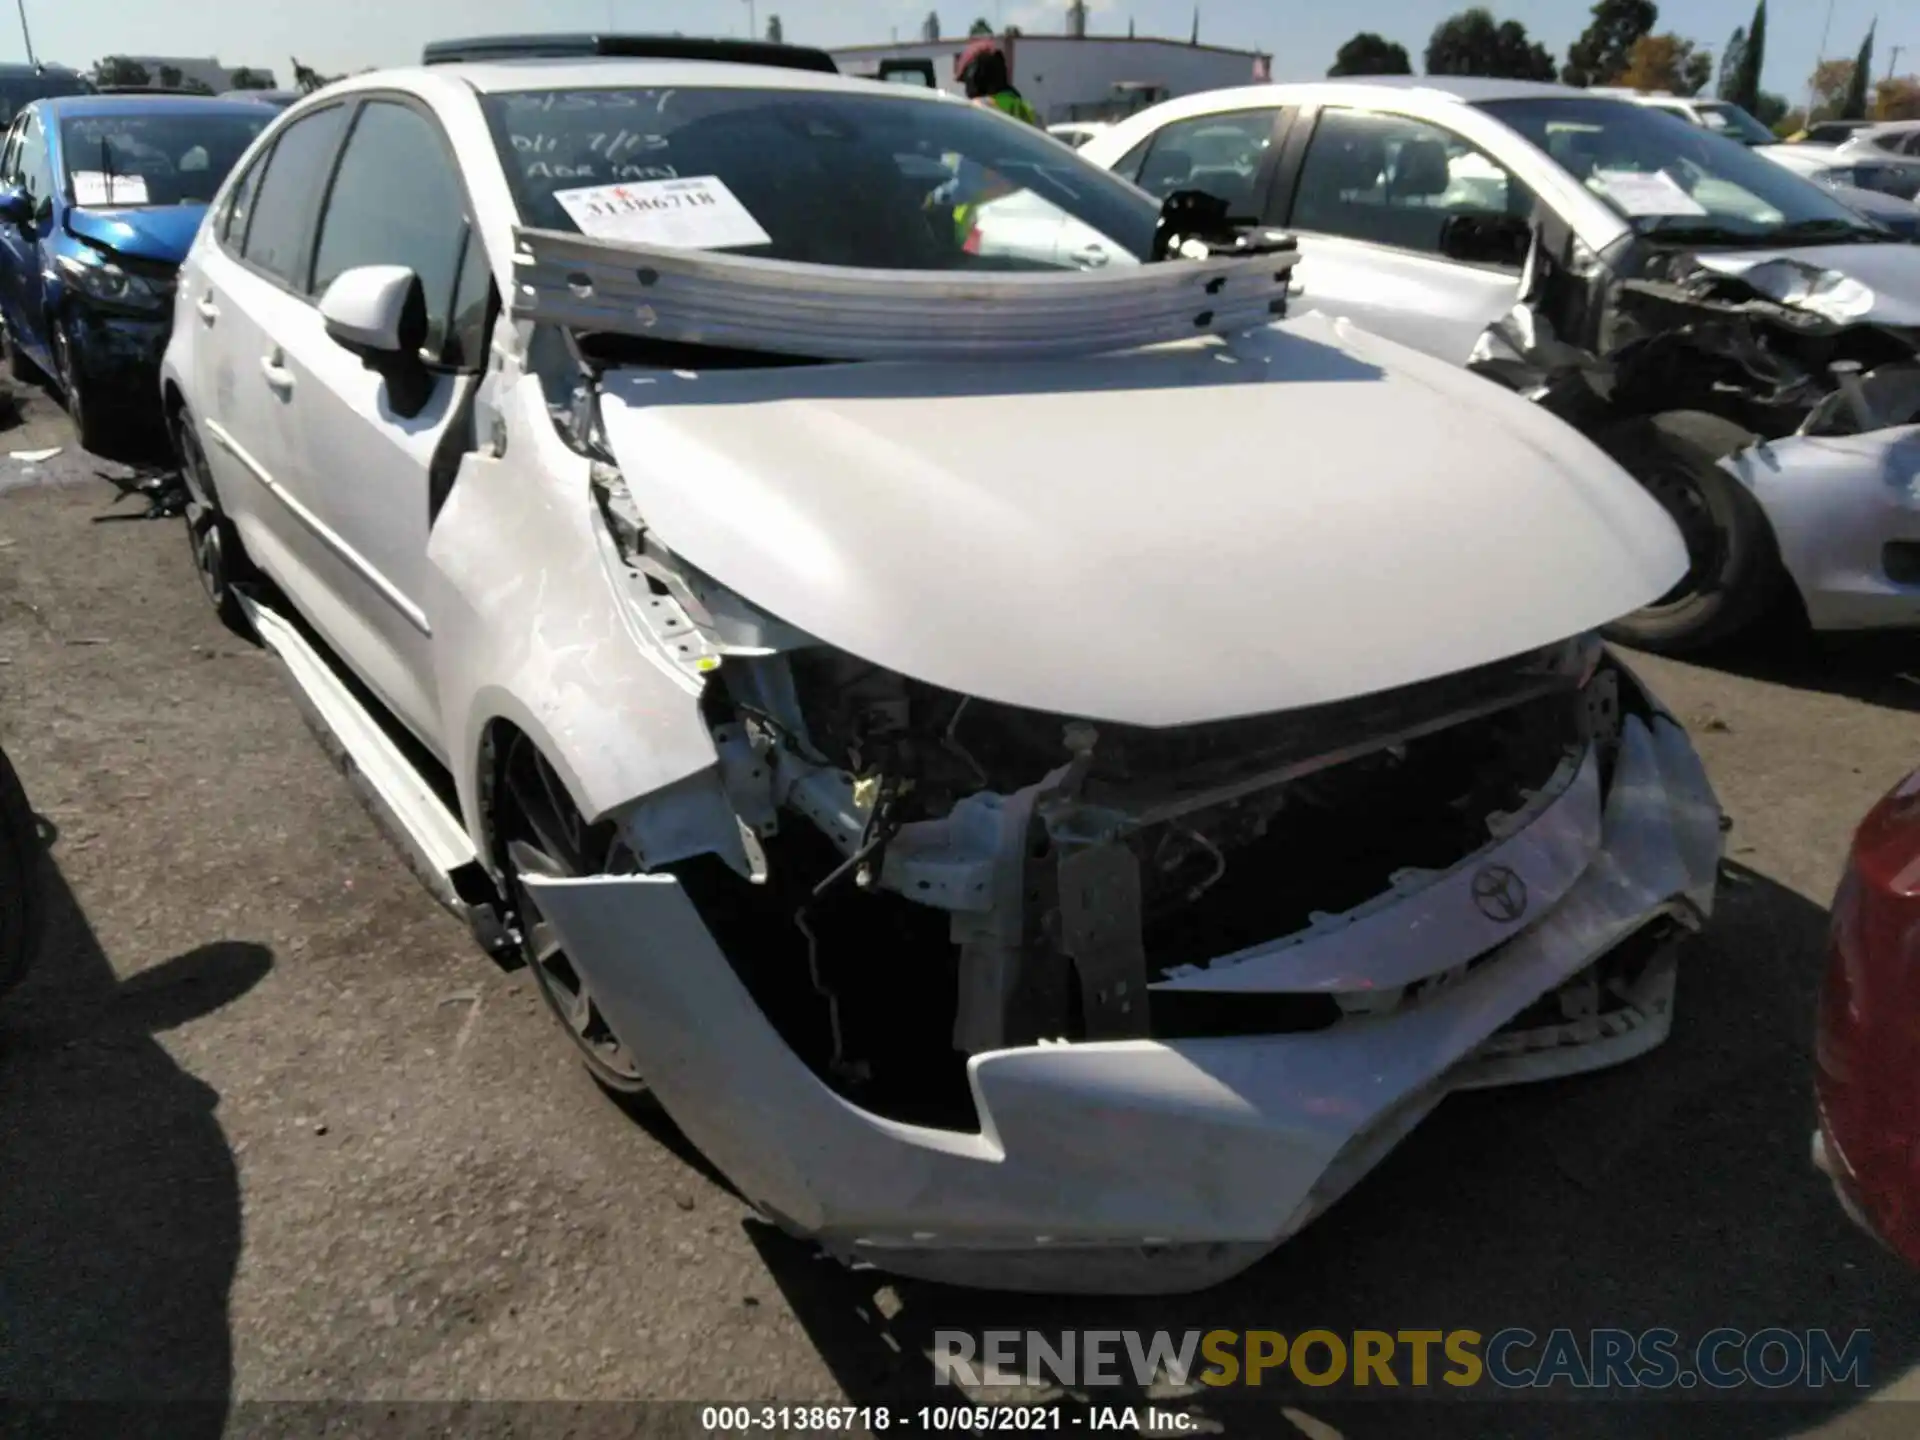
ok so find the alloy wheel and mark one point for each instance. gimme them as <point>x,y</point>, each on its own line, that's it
<point>546,837</point>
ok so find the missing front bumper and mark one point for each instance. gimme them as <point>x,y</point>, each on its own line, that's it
<point>1132,1166</point>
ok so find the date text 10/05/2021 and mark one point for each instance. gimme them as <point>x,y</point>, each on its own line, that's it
<point>932,1419</point>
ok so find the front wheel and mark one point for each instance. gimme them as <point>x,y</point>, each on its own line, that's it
<point>1733,565</point>
<point>542,833</point>
<point>219,559</point>
<point>88,426</point>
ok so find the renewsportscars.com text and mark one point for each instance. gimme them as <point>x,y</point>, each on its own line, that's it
<point>1510,1359</point>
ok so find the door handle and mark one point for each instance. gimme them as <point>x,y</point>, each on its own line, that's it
<point>1092,257</point>
<point>209,311</point>
<point>279,378</point>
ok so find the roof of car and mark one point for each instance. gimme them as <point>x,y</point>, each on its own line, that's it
<point>1469,88</point>
<point>501,76</point>
<point>69,106</point>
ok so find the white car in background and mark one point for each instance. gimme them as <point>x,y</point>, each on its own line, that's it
<point>1671,293</point>
<point>1077,132</point>
<point>882,687</point>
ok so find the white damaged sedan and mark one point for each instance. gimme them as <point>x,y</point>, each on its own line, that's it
<point>1045,773</point>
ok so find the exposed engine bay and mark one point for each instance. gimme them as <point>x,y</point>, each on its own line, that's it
<point>905,876</point>
<point>1775,343</point>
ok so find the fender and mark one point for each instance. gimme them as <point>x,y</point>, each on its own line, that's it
<point>525,633</point>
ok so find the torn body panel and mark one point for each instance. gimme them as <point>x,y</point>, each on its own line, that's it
<point>1816,352</point>
<point>1135,1165</point>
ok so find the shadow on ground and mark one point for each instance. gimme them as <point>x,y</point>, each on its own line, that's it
<point>1880,668</point>
<point>1674,1191</point>
<point>119,1196</point>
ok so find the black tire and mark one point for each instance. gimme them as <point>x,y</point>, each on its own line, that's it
<point>89,425</point>
<point>540,832</point>
<point>22,901</point>
<point>219,559</point>
<point>1734,573</point>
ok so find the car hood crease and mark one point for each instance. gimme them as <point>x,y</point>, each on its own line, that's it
<point>157,232</point>
<point>1162,537</point>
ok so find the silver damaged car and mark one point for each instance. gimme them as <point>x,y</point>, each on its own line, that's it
<point>1044,766</point>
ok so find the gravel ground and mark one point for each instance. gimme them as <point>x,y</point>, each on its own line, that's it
<point>272,1129</point>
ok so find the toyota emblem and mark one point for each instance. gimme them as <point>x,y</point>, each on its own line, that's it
<point>1500,894</point>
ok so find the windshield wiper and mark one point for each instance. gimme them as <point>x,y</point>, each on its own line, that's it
<point>1707,232</point>
<point>1699,232</point>
<point>1831,228</point>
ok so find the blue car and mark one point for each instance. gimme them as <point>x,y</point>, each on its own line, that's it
<point>100,196</point>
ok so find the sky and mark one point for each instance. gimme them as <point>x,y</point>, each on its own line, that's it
<point>1302,35</point>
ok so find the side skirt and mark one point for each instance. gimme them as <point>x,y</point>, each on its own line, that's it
<point>429,835</point>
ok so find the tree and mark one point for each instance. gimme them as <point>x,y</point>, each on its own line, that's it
<point>1790,123</point>
<point>196,86</point>
<point>119,70</point>
<point>1605,47</point>
<point>982,26</point>
<point>1012,32</point>
<point>246,79</point>
<point>1853,105</point>
<point>1897,98</point>
<point>1470,43</point>
<point>1770,109</point>
<point>1745,91</point>
<point>1371,54</point>
<point>1665,62</point>
<point>170,77</point>
<point>776,32</point>
<point>1730,63</point>
<point>1829,83</point>
<point>930,27</point>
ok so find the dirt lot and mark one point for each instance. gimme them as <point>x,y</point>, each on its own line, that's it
<point>271,1128</point>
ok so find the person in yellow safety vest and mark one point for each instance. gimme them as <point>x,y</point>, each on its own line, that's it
<point>982,71</point>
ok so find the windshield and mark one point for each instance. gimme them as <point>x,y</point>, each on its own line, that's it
<point>1665,175</point>
<point>1733,122</point>
<point>869,180</point>
<point>131,160</point>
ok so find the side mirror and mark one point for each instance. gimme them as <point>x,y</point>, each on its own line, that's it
<point>379,312</point>
<point>1487,240</point>
<point>16,206</point>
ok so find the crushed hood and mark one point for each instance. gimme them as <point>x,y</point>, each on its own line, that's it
<point>1876,283</point>
<point>156,232</point>
<point>1161,537</point>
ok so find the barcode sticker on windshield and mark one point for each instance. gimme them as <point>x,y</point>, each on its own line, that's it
<point>96,187</point>
<point>1638,193</point>
<point>695,212</point>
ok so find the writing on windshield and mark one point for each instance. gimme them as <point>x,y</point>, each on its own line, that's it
<point>153,159</point>
<point>882,180</point>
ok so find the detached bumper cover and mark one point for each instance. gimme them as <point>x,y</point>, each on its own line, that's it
<point>1837,503</point>
<point>1136,1166</point>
